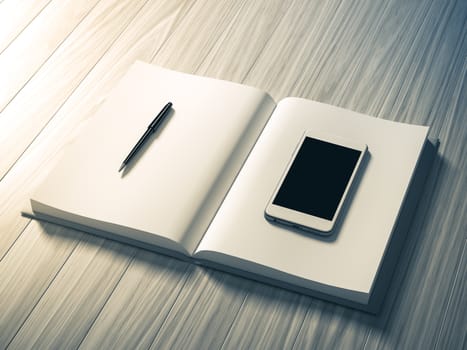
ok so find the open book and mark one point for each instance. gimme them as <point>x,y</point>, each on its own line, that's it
<point>199,188</point>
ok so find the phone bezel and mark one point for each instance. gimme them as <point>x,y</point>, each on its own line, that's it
<point>308,222</point>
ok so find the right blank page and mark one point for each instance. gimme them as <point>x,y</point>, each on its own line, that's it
<point>346,263</point>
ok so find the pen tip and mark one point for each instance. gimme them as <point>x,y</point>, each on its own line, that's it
<point>121,167</point>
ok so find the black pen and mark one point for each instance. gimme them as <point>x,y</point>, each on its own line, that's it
<point>151,128</point>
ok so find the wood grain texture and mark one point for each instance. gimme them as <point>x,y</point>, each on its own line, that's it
<point>197,34</point>
<point>203,312</point>
<point>15,16</point>
<point>139,305</point>
<point>329,327</point>
<point>74,299</point>
<point>232,56</point>
<point>34,105</point>
<point>453,332</point>
<point>27,271</point>
<point>401,60</point>
<point>251,330</point>
<point>37,42</point>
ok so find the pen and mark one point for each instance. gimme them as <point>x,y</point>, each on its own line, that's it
<point>151,128</point>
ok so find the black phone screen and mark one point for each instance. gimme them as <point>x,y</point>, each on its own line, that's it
<point>317,178</point>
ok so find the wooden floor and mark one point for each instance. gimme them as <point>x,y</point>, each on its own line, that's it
<point>395,59</point>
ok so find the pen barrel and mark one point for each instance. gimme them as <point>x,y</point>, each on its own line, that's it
<point>151,129</point>
<point>138,145</point>
<point>157,120</point>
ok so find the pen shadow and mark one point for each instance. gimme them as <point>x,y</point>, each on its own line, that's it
<point>134,161</point>
<point>332,237</point>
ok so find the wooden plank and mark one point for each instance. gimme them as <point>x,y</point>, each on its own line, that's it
<point>33,263</point>
<point>41,37</point>
<point>203,312</point>
<point>189,46</point>
<point>252,330</point>
<point>452,334</point>
<point>328,327</point>
<point>13,22</point>
<point>34,105</point>
<point>139,304</point>
<point>73,300</point>
<point>232,56</point>
<point>313,37</point>
<point>433,255</point>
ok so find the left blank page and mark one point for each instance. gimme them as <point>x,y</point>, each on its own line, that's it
<point>171,190</point>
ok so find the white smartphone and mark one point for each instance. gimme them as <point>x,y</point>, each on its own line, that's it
<point>315,183</point>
